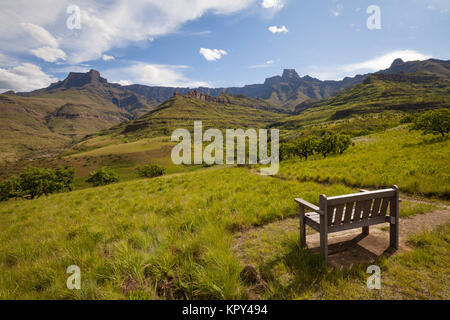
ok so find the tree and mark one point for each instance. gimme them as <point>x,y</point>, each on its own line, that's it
<point>151,170</point>
<point>344,142</point>
<point>332,143</point>
<point>102,176</point>
<point>35,182</point>
<point>434,122</point>
<point>307,147</point>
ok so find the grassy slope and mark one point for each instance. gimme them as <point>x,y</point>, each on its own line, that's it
<point>181,112</point>
<point>369,107</point>
<point>52,121</point>
<point>416,163</point>
<point>145,238</point>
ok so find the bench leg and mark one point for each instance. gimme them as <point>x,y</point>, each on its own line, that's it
<point>324,245</point>
<point>302,227</point>
<point>324,237</point>
<point>365,230</point>
<point>393,235</point>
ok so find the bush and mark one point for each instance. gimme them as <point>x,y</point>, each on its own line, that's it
<point>434,122</point>
<point>102,176</point>
<point>35,182</point>
<point>151,170</point>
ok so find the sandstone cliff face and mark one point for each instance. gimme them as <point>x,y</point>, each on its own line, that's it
<point>195,94</point>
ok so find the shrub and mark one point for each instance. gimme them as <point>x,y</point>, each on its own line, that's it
<point>102,176</point>
<point>434,122</point>
<point>151,170</point>
<point>35,182</point>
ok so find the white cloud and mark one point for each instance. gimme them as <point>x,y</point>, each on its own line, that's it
<point>379,63</point>
<point>265,65</point>
<point>104,25</point>
<point>385,61</point>
<point>272,4</point>
<point>40,34</point>
<point>124,82</point>
<point>49,54</point>
<point>275,29</point>
<point>105,57</point>
<point>153,75</point>
<point>24,77</point>
<point>212,54</point>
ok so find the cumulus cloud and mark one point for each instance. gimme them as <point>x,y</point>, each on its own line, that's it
<point>24,77</point>
<point>153,75</point>
<point>272,4</point>
<point>103,25</point>
<point>375,64</point>
<point>40,34</point>
<point>212,54</point>
<point>275,29</point>
<point>49,54</point>
<point>105,57</point>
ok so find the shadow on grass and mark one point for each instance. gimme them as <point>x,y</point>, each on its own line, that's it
<point>301,272</point>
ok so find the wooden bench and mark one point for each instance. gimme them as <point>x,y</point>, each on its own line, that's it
<point>358,210</point>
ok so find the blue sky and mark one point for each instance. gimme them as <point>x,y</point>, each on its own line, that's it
<point>213,43</point>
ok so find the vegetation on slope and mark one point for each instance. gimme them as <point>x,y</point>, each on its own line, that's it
<point>377,104</point>
<point>168,237</point>
<point>417,164</point>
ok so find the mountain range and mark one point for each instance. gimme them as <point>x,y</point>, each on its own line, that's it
<point>86,103</point>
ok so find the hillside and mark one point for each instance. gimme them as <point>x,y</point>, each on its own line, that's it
<point>46,120</point>
<point>181,111</point>
<point>381,98</point>
<point>174,237</point>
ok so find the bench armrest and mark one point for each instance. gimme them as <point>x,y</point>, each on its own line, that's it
<point>308,205</point>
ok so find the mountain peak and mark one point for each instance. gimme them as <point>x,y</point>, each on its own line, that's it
<point>78,79</point>
<point>290,74</point>
<point>397,62</point>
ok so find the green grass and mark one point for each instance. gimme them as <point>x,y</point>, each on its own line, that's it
<point>417,164</point>
<point>147,238</point>
<point>291,272</point>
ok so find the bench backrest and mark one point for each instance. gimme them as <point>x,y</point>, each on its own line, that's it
<point>362,206</point>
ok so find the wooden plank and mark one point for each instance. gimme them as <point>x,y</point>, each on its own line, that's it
<point>313,220</point>
<point>376,208</point>
<point>330,215</point>
<point>357,224</point>
<point>384,206</point>
<point>357,212</point>
<point>385,193</point>
<point>348,212</point>
<point>367,206</point>
<point>338,214</point>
